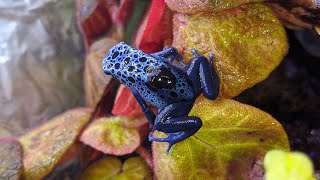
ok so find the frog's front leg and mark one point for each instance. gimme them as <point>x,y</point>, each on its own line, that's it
<point>175,122</point>
<point>145,108</point>
<point>203,76</point>
<point>172,53</point>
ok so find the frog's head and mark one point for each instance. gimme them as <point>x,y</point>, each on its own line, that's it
<point>137,69</point>
<point>126,64</point>
<point>114,57</point>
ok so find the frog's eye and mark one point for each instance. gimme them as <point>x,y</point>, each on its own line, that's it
<point>164,79</point>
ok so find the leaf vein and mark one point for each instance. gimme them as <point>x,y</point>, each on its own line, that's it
<point>211,145</point>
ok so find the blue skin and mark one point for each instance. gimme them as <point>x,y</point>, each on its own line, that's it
<point>171,87</point>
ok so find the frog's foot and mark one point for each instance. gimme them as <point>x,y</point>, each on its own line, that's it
<point>170,137</point>
<point>177,129</point>
<point>195,53</point>
<point>173,138</point>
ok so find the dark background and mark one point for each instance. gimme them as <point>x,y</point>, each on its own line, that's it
<point>291,93</point>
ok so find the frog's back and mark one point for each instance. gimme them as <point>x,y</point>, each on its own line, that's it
<point>133,68</point>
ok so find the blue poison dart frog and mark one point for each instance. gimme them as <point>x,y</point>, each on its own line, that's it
<point>169,86</point>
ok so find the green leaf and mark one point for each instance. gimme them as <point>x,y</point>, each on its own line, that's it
<point>10,159</point>
<point>44,146</point>
<point>133,168</point>
<point>232,138</point>
<point>248,43</point>
<point>135,21</point>
<point>288,165</point>
<point>111,136</point>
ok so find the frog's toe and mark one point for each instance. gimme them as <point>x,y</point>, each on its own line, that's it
<point>172,137</point>
<point>169,147</point>
<point>195,53</point>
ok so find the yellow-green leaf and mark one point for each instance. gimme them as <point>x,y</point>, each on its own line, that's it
<point>194,6</point>
<point>95,79</point>
<point>133,168</point>
<point>44,146</point>
<point>103,169</point>
<point>232,138</point>
<point>248,43</point>
<point>281,165</point>
<point>10,159</point>
<point>111,136</point>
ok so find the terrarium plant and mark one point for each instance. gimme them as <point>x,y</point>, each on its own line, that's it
<point>108,139</point>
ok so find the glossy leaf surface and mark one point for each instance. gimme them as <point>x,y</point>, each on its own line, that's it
<point>44,146</point>
<point>248,43</point>
<point>232,138</point>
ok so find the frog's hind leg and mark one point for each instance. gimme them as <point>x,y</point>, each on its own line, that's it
<point>177,129</point>
<point>204,76</point>
<point>173,121</point>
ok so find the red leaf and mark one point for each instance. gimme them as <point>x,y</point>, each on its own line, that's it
<point>93,17</point>
<point>125,103</point>
<point>156,28</point>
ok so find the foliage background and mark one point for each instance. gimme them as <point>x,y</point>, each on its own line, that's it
<point>289,94</point>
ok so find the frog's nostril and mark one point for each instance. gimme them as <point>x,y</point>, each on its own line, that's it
<point>106,68</point>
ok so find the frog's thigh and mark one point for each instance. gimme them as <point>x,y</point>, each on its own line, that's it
<point>175,110</point>
<point>177,124</point>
